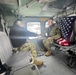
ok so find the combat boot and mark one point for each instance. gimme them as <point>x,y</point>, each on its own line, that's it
<point>38,62</point>
<point>48,53</point>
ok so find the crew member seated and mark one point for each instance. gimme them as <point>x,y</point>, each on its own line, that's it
<point>54,33</point>
<point>19,31</point>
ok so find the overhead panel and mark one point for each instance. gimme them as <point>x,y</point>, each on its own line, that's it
<point>48,11</point>
<point>9,2</point>
<point>24,2</point>
<point>32,10</point>
<point>46,0</point>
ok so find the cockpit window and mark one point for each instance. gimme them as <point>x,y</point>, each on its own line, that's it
<point>34,27</point>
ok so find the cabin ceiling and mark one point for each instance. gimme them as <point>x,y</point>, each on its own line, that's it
<point>47,8</point>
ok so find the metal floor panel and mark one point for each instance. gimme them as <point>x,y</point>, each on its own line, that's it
<point>54,66</point>
<point>28,70</point>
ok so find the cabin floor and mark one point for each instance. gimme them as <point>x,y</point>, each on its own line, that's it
<point>56,65</point>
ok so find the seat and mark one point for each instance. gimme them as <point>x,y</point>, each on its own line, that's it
<point>70,49</point>
<point>16,60</point>
<point>72,40</point>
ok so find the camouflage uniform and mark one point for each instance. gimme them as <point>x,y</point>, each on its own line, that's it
<point>54,34</point>
<point>30,47</point>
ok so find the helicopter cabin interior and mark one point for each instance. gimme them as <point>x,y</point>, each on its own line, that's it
<point>35,15</point>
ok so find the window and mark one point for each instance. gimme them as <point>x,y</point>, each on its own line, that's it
<point>46,25</point>
<point>34,27</point>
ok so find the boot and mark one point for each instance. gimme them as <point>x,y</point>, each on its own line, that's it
<point>48,53</point>
<point>38,62</point>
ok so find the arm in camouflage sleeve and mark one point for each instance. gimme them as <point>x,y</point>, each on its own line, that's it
<point>57,33</point>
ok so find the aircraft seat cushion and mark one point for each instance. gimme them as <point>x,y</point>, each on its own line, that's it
<point>20,59</point>
<point>5,47</point>
<point>65,48</point>
<point>6,56</point>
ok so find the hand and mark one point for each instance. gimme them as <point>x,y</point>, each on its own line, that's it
<point>49,38</point>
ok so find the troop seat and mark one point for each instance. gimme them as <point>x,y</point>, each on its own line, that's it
<point>17,60</point>
<point>70,49</point>
<point>72,40</point>
<point>64,48</point>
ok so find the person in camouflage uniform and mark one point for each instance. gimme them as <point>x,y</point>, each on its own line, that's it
<point>31,47</point>
<point>54,33</point>
<point>26,46</point>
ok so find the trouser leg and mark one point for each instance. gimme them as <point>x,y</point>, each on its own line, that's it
<point>47,43</point>
<point>32,49</point>
<point>29,47</point>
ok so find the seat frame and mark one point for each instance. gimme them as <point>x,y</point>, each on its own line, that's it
<point>8,59</point>
<point>71,48</point>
